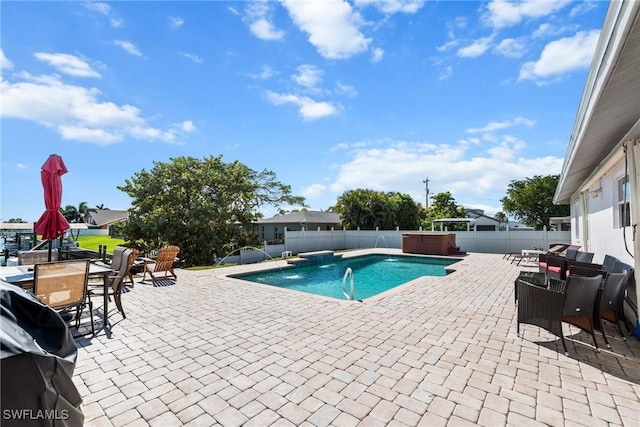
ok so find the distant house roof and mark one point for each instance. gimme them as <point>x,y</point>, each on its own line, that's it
<point>478,213</point>
<point>100,217</point>
<point>303,217</point>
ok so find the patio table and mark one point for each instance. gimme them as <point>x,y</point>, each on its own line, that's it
<point>533,277</point>
<point>22,276</point>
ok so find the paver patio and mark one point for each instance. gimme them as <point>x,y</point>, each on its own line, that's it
<point>210,350</point>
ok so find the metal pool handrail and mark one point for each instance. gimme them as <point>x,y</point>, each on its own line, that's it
<point>347,273</point>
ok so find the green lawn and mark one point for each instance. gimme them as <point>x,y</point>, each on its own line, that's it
<point>93,242</point>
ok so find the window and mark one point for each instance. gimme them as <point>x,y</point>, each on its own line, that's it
<point>624,194</point>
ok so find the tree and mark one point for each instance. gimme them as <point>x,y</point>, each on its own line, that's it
<point>204,206</point>
<point>501,217</point>
<point>444,205</point>
<point>70,212</point>
<point>369,209</point>
<point>16,220</point>
<point>73,214</point>
<point>531,201</point>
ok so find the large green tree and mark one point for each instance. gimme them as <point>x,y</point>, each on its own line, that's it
<point>531,201</point>
<point>205,206</point>
<point>368,209</point>
<point>444,205</point>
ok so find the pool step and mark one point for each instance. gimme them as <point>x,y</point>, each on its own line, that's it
<point>314,258</point>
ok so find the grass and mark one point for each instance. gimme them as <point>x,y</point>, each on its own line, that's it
<point>93,242</point>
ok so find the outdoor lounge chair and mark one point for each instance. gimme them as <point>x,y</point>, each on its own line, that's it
<point>163,263</point>
<point>116,281</point>
<point>63,285</point>
<point>571,301</point>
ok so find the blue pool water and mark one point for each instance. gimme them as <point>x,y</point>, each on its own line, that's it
<point>372,275</point>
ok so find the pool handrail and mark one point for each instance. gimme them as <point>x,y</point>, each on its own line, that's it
<point>348,273</point>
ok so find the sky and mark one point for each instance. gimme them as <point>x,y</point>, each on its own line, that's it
<point>331,95</point>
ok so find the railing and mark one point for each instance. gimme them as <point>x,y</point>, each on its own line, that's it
<point>347,273</point>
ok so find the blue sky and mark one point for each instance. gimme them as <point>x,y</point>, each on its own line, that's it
<point>331,95</point>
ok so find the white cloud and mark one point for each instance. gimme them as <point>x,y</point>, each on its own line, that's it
<point>562,56</point>
<point>446,73</point>
<point>494,126</point>
<point>77,113</point>
<point>308,76</point>
<point>194,58</point>
<point>393,6</point>
<point>476,48</point>
<point>308,108</point>
<point>265,74</point>
<point>377,54</point>
<point>5,64</point>
<point>402,166</point>
<point>104,9</point>
<point>68,64</point>
<point>504,13</point>
<point>22,166</point>
<point>258,16</point>
<point>188,126</point>
<point>175,22</point>
<point>314,190</point>
<point>345,89</point>
<point>332,25</point>
<point>128,47</point>
<point>511,48</point>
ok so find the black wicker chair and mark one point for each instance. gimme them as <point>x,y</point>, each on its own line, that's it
<point>554,267</point>
<point>610,301</point>
<point>571,301</point>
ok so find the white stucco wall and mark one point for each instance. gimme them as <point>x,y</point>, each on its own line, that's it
<point>604,236</point>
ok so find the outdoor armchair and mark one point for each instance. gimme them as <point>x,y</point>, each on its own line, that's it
<point>63,285</point>
<point>132,260</point>
<point>611,301</point>
<point>115,281</point>
<point>554,266</point>
<point>584,256</point>
<point>571,301</point>
<point>163,263</point>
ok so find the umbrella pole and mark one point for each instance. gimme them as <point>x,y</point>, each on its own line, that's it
<point>49,258</point>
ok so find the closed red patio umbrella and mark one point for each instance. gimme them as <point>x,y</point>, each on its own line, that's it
<point>52,224</point>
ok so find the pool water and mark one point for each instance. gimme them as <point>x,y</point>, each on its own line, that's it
<point>372,274</point>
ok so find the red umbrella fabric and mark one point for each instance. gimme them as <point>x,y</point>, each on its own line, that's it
<point>52,224</point>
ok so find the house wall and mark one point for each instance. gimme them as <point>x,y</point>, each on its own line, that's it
<point>598,228</point>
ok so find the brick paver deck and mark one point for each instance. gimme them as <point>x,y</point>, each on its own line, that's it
<point>209,350</point>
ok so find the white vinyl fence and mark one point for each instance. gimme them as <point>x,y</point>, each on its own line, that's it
<point>469,241</point>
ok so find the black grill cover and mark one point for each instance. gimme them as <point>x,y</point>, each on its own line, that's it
<point>38,355</point>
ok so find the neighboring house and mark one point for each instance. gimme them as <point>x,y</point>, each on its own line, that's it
<point>482,222</point>
<point>475,219</point>
<point>600,175</point>
<point>273,228</point>
<point>104,218</point>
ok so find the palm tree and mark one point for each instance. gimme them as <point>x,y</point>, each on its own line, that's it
<point>83,208</point>
<point>70,212</point>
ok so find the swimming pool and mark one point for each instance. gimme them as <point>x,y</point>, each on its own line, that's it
<point>372,274</point>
